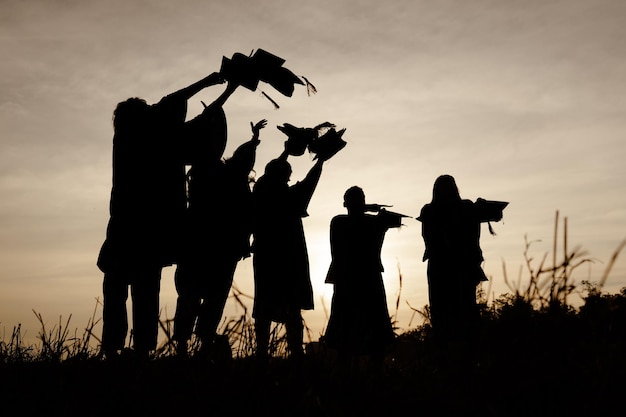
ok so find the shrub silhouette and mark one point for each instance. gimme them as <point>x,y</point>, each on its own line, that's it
<point>536,351</point>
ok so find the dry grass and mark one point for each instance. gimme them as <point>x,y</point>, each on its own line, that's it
<point>538,355</point>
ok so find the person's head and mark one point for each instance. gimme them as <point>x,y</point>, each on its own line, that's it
<point>354,200</point>
<point>129,113</point>
<point>278,170</point>
<point>445,190</point>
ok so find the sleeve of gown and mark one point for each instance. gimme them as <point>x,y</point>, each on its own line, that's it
<point>303,190</point>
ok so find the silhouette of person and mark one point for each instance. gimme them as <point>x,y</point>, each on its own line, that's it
<point>146,210</point>
<point>218,231</point>
<point>451,229</point>
<point>359,322</point>
<point>282,282</point>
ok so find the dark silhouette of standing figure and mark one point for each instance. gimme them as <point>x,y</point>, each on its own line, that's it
<point>218,231</point>
<point>359,323</point>
<point>451,229</point>
<point>282,282</point>
<point>146,210</point>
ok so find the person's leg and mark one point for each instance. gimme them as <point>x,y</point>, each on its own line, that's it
<point>187,307</point>
<point>443,303</point>
<point>145,296</point>
<point>214,300</point>
<point>295,333</point>
<point>262,332</point>
<point>114,314</point>
<point>436,303</point>
<point>469,324</point>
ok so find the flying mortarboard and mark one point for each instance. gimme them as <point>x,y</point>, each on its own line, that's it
<point>240,70</point>
<point>247,71</point>
<point>327,145</point>
<point>322,140</point>
<point>298,138</point>
<point>270,70</point>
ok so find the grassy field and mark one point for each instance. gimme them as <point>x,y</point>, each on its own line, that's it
<point>537,356</point>
<point>554,363</point>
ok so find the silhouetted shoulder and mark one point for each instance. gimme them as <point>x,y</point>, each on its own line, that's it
<point>425,212</point>
<point>339,218</point>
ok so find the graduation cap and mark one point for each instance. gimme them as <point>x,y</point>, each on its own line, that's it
<point>375,207</point>
<point>392,218</point>
<point>322,140</point>
<point>240,70</point>
<point>327,145</point>
<point>270,69</point>
<point>298,138</point>
<point>382,208</point>
<point>490,210</point>
<point>261,65</point>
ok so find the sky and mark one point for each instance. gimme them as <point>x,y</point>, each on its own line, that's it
<point>522,102</point>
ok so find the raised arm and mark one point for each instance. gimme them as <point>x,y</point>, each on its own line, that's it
<point>230,89</point>
<point>193,89</point>
<point>256,128</point>
<point>303,190</point>
<point>245,155</point>
<point>285,153</point>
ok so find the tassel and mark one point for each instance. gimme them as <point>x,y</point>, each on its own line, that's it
<point>310,88</point>
<point>276,106</point>
<point>491,229</point>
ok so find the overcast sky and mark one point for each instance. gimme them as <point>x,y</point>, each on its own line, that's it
<point>520,101</point>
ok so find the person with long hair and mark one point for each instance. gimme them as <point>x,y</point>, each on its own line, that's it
<point>451,228</point>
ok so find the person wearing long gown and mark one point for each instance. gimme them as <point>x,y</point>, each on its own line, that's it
<point>359,322</point>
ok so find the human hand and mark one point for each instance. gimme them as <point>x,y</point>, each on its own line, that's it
<point>257,127</point>
<point>324,125</point>
<point>215,78</point>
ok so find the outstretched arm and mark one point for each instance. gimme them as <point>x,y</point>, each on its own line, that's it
<point>230,89</point>
<point>285,152</point>
<point>193,89</point>
<point>304,189</point>
<point>212,79</point>
<point>245,155</point>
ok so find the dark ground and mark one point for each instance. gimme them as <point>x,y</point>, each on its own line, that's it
<point>519,378</point>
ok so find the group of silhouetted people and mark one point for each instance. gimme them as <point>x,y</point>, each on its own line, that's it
<point>207,218</point>
<point>201,219</point>
<point>151,146</point>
